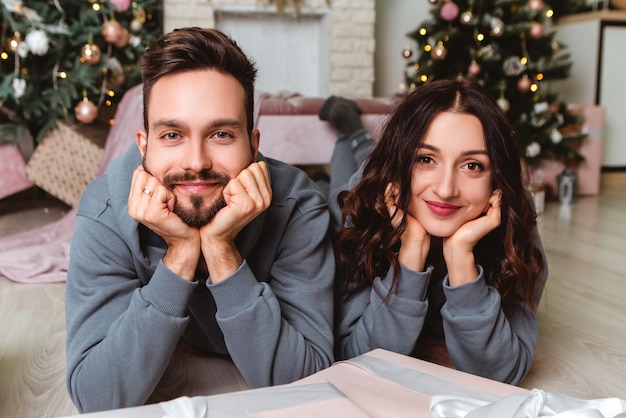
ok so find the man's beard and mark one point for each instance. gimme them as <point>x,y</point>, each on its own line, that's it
<point>197,215</point>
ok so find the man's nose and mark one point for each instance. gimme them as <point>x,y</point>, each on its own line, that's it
<point>196,156</point>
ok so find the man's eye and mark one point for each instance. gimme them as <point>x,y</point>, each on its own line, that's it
<point>171,136</point>
<point>222,135</point>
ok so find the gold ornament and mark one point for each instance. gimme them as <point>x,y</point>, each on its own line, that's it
<point>90,54</point>
<point>439,52</point>
<point>467,18</point>
<point>86,111</point>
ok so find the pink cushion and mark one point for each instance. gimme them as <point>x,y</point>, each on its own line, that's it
<point>300,105</point>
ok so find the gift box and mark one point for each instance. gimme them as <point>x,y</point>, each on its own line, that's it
<point>589,171</point>
<point>67,160</point>
<point>12,170</point>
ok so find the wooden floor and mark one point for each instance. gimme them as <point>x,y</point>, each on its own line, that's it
<point>582,345</point>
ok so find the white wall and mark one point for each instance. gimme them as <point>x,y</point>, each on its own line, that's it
<point>349,55</point>
<point>394,19</point>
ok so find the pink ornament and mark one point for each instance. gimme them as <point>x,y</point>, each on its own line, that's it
<point>86,111</point>
<point>111,31</point>
<point>537,30</point>
<point>449,11</point>
<point>473,69</point>
<point>536,5</point>
<point>123,39</point>
<point>523,84</point>
<point>121,5</point>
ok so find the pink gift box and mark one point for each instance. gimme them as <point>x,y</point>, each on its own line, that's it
<point>12,166</point>
<point>589,171</point>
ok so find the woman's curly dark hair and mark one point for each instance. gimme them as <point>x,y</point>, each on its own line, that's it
<point>367,243</point>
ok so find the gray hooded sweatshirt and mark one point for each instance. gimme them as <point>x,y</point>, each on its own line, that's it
<point>126,311</point>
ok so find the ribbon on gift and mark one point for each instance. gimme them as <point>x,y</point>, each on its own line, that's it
<point>533,404</point>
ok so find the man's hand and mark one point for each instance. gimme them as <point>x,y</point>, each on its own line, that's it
<point>152,204</point>
<point>246,196</point>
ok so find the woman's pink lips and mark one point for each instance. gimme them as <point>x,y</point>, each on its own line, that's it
<point>441,209</point>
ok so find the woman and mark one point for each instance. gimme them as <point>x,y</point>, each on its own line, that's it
<point>437,237</point>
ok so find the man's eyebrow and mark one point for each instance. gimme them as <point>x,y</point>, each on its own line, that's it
<point>174,123</point>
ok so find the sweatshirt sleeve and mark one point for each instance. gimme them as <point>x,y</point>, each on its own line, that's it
<point>367,321</point>
<point>281,330</point>
<point>481,339</point>
<point>120,333</point>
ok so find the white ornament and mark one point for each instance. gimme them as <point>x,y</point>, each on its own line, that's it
<point>541,107</point>
<point>37,41</point>
<point>513,66</point>
<point>19,87</point>
<point>22,49</point>
<point>556,136</point>
<point>533,149</point>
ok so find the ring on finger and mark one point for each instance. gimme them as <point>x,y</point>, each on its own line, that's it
<point>147,191</point>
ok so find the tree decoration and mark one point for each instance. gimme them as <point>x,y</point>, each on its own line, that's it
<point>449,11</point>
<point>473,69</point>
<point>90,53</point>
<point>86,111</point>
<point>68,59</point>
<point>536,5</point>
<point>467,18</point>
<point>508,46</point>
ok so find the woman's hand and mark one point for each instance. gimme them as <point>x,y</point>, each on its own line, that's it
<point>458,249</point>
<point>415,241</point>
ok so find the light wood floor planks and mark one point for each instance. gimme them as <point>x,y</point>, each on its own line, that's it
<point>582,345</point>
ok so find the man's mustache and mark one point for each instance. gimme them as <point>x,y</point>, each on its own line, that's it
<point>205,175</point>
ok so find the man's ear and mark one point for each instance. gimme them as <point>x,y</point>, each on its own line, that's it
<point>255,139</point>
<point>142,141</point>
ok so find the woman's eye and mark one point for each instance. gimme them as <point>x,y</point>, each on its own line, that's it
<point>473,166</point>
<point>423,159</point>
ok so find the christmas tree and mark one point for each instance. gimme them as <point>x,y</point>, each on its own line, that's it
<point>69,59</point>
<point>509,46</point>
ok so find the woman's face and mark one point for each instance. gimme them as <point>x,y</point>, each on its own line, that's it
<point>452,177</point>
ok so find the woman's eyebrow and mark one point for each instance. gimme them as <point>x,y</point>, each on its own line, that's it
<point>468,152</point>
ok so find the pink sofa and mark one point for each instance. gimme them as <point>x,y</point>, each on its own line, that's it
<point>291,130</point>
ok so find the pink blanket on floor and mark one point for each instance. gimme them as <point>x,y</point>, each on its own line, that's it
<point>41,255</point>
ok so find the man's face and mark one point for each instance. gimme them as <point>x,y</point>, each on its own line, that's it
<point>197,140</point>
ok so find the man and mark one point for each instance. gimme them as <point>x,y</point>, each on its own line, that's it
<point>192,233</point>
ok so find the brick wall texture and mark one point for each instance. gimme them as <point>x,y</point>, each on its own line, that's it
<point>352,44</point>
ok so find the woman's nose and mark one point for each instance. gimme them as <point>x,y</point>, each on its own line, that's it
<point>446,183</point>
